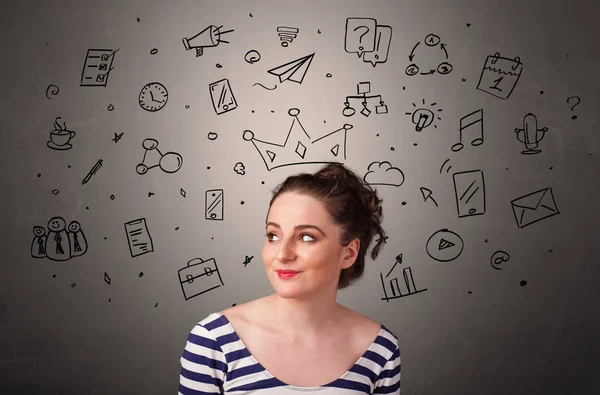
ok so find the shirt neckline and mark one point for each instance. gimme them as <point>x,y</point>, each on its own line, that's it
<point>270,375</point>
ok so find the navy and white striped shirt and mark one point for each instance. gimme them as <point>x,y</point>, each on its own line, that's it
<point>216,361</point>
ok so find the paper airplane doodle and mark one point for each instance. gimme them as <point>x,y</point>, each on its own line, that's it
<point>303,149</point>
<point>294,70</point>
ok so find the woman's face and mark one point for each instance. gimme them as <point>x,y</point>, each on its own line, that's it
<point>301,237</point>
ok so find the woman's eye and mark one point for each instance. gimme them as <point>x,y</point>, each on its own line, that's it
<point>307,235</point>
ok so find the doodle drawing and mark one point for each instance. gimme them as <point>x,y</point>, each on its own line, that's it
<point>471,123</point>
<point>399,289</point>
<point>368,40</point>
<point>427,195</point>
<point>93,171</point>
<point>382,173</point>
<point>499,75</point>
<point>213,204</point>
<point>497,258</point>
<point>197,277</point>
<point>59,243</point>
<point>530,135</point>
<point>431,41</point>
<point>444,245</point>
<point>138,237</point>
<point>578,100</point>
<point>209,37</point>
<point>534,207</point>
<point>60,136</point>
<point>97,66</point>
<point>252,56</point>
<point>169,162</point>
<point>287,34</point>
<point>153,96</point>
<point>239,168</point>
<point>469,191</point>
<point>423,117</point>
<point>222,97</point>
<point>293,71</point>
<point>362,89</point>
<point>54,89</point>
<point>302,149</point>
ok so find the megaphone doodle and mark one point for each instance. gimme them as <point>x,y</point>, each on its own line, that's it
<point>209,37</point>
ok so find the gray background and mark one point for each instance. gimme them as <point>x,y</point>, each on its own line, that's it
<point>475,330</point>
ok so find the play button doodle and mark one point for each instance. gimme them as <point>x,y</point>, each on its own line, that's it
<point>444,245</point>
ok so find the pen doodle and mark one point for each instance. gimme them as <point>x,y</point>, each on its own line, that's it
<point>92,172</point>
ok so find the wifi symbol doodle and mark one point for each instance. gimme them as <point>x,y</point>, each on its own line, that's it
<point>287,34</point>
<point>443,164</point>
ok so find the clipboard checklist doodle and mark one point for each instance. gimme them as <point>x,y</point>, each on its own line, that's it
<point>97,66</point>
<point>138,237</point>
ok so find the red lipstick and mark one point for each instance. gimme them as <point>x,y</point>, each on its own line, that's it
<point>286,273</point>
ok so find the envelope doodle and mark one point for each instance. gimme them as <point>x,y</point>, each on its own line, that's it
<point>534,207</point>
<point>197,278</point>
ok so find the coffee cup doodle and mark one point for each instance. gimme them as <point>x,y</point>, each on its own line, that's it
<point>60,136</point>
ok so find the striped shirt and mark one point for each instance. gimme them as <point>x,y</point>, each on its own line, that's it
<point>216,361</point>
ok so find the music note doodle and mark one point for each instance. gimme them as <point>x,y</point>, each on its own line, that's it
<point>473,122</point>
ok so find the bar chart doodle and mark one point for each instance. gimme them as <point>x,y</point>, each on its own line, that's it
<point>138,237</point>
<point>213,204</point>
<point>444,245</point>
<point>469,191</point>
<point>97,66</point>
<point>399,289</point>
<point>472,124</point>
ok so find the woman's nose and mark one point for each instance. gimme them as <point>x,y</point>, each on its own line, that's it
<point>286,250</point>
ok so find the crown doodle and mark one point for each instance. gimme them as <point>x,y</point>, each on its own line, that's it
<point>302,150</point>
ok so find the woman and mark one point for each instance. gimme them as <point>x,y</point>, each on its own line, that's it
<point>318,230</point>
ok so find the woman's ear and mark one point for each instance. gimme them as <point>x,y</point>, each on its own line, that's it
<point>351,253</point>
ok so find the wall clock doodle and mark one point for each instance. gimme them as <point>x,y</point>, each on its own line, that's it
<point>153,96</point>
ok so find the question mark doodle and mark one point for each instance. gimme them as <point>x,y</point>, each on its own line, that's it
<point>574,105</point>
<point>361,36</point>
<point>54,91</point>
<point>497,258</point>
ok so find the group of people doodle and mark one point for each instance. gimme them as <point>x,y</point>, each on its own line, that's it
<point>60,243</point>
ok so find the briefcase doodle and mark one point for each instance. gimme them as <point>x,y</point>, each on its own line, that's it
<point>199,277</point>
<point>534,207</point>
<point>500,75</point>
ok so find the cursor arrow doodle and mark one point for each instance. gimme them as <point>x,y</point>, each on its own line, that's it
<point>427,195</point>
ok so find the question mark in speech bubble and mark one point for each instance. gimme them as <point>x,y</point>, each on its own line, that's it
<point>574,105</point>
<point>360,47</point>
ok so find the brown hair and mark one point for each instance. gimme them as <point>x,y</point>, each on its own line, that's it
<point>351,203</point>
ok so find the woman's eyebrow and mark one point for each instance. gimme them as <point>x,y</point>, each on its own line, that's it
<point>299,227</point>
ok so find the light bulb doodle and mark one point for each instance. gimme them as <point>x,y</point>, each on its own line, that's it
<point>423,117</point>
<point>209,37</point>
